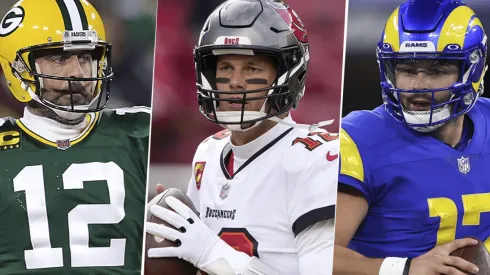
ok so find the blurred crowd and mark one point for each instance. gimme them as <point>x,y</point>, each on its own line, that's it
<point>178,126</point>
<point>130,27</point>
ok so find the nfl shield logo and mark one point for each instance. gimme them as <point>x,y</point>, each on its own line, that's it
<point>63,144</point>
<point>464,165</point>
<point>225,190</point>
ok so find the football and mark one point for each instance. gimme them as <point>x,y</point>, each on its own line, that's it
<point>477,255</point>
<point>166,266</point>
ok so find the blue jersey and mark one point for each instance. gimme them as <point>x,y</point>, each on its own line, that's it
<point>421,192</point>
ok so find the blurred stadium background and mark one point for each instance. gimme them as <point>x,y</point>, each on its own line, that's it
<point>130,27</point>
<point>366,20</point>
<point>178,127</point>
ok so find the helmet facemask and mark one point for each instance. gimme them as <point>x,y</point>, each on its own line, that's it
<point>462,94</point>
<point>438,31</point>
<point>279,98</point>
<point>33,78</point>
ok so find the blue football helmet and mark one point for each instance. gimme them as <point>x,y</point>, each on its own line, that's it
<point>438,30</point>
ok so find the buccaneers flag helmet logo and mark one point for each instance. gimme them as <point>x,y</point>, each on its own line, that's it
<point>293,21</point>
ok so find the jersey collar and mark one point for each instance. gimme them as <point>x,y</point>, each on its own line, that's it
<point>244,152</point>
<point>53,133</point>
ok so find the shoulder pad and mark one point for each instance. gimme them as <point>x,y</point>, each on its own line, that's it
<point>133,110</point>
<point>218,136</point>
<point>135,121</point>
<point>7,122</point>
<point>318,148</point>
<point>352,164</point>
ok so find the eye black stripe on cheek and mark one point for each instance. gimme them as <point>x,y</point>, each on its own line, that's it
<point>256,81</point>
<point>222,80</point>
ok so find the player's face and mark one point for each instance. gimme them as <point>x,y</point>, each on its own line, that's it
<point>67,64</point>
<point>425,74</point>
<point>243,72</point>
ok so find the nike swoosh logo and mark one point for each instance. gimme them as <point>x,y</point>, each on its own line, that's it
<point>332,157</point>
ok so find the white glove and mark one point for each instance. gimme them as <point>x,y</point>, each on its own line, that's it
<point>197,244</point>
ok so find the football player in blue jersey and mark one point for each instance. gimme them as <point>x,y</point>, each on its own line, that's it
<point>414,182</point>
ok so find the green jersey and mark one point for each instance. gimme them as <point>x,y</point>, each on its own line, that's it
<point>74,206</point>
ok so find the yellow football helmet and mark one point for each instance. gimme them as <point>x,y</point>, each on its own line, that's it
<point>70,25</point>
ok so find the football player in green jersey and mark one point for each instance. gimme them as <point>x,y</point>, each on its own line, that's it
<point>73,175</point>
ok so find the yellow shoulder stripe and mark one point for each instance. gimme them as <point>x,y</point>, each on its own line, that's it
<point>351,162</point>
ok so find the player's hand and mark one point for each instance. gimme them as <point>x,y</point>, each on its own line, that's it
<point>437,261</point>
<point>160,188</point>
<point>196,243</point>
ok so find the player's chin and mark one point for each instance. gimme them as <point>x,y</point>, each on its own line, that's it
<point>246,126</point>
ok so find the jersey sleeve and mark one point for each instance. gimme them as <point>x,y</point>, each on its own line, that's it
<point>132,126</point>
<point>352,169</point>
<point>136,123</point>
<point>192,191</point>
<point>311,190</point>
<point>135,120</point>
<point>196,175</point>
<point>315,248</point>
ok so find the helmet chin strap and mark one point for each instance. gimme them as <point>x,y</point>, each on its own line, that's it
<point>423,117</point>
<point>236,116</point>
<point>249,115</point>
<point>232,116</point>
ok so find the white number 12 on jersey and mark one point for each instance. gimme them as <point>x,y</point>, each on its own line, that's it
<point>42,255</point>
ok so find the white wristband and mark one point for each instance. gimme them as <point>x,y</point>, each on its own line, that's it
<point>392,266</point>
